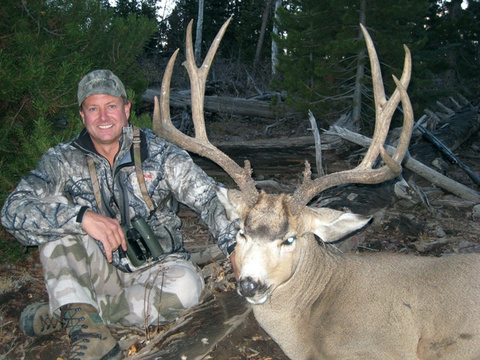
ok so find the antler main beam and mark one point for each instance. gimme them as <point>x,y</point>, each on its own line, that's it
<point>364,173</point>
<point>162,124</point>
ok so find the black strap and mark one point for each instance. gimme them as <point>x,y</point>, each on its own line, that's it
<point>137,158</point>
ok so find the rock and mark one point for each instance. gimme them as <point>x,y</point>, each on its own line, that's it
<point>476,212</point>
<point>439,233</point>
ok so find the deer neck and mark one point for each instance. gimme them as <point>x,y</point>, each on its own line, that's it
<point>290,308</point>
<point>314,270</point>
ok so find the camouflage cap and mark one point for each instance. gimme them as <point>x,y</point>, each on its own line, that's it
<point>100,82</point>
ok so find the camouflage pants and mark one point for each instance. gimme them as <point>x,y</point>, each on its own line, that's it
<point>76,271</point>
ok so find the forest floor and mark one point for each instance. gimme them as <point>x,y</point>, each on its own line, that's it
<point>401,227</point>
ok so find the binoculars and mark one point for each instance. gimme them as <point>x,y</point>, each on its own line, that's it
<point>142,244</point>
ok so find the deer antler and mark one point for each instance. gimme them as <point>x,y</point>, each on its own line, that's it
<point>364,173</point>
<point>162,124</point>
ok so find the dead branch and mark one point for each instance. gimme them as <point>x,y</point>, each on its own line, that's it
<point>434,116</point>
<point>449,111</point>
<point>417,167</point>
<point>448,154</point>
<point>455,103</point>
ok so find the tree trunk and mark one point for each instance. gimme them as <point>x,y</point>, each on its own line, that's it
<point>274,43</point>
<point>261,38</point>
<point>357,94</point>
<point>198,34</point>
<point>451,73</point>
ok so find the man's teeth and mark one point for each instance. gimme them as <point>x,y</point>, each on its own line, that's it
<point>105,126</point>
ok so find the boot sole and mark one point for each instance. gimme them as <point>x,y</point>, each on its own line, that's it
<point>114,354</point>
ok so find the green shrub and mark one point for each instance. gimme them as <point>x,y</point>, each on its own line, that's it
<point>45,49</point>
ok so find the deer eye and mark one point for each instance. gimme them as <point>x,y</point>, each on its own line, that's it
<point>289,240</point>
<point>241,234</point>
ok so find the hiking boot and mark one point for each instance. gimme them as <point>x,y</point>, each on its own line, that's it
<point>36,320</point>
<point>90,339</point>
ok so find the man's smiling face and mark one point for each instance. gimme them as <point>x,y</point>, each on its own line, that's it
<point>104,117</point>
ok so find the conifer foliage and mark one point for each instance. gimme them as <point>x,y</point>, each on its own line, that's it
<point>45,49</point>
<point>321,44</point>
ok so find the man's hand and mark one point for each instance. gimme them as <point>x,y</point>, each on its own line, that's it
<point>106,230</point>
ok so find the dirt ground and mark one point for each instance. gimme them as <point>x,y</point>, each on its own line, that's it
<point>400,228</point>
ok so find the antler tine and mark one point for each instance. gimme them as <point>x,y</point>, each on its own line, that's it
<point>198,77</point>
<point>407,128</point>
<point>383,109</point>
<point>363,173</point>
<point>162,124</point>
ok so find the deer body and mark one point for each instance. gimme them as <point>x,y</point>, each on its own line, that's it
<point>317,304</point>
<point>375,307</point>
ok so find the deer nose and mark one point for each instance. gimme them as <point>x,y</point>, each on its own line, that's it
<point>247,287</point>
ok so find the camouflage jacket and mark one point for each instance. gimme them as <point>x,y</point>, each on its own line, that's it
<point>49,202</point>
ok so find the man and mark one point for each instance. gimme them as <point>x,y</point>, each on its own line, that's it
<point>81,200</point>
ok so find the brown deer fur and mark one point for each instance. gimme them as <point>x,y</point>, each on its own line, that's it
<point>319,304</point>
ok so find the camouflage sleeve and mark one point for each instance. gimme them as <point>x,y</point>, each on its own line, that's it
<point>194,188</point>
<point>37,211</point>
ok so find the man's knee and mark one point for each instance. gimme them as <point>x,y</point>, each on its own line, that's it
<point>193,286</point>
<point>188,282</point>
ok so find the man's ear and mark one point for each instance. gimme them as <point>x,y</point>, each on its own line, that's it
<point>127,108</point>
<point>82,115</point>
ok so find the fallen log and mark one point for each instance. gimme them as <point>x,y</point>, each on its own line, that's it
<point>193,335</point>
<point>452,132</point>
<point>417,167</point>
<point>273,156</point>
<point>229,105</point>
<point>261,144</point>
<point>448,154</point>
<point>292,143</point>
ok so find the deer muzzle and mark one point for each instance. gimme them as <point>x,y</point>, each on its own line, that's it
<point>254,291</point>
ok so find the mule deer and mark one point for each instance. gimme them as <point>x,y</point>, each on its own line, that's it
<point>317,304</point>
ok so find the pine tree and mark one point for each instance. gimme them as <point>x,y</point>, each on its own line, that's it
<point>451,53</point>
<point>215,13</point>
<point>320,41</point>
<point>45,50</point>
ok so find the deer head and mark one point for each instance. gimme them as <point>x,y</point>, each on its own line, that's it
<point>274,227</point>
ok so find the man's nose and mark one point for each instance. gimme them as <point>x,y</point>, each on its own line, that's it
<point>103,114</point>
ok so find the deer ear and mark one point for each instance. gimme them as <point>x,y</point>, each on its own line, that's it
<point>232,201</point>
<point>331,225</point>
